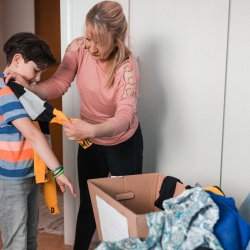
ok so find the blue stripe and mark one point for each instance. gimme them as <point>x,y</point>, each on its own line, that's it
<point>2,84</point>
<point>12,137</point>
<point>9,130</point>
<point>8,99</point>
<point>15,117</point>
<point>17,165</point>
<point>17,172</point>
<point>2,123</point>
<point>17,178</point>
<point>10,106</point>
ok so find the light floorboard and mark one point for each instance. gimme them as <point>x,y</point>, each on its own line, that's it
<point>47,241</point>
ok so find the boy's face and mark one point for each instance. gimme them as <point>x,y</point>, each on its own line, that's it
<point>28,70</point>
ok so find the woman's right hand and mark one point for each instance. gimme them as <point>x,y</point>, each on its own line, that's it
<point>17,78</point>
<point>64,181</point>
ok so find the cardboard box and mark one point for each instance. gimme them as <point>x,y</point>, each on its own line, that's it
<point>120,204</point>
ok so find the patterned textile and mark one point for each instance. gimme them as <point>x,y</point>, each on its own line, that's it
<point>186,223</point>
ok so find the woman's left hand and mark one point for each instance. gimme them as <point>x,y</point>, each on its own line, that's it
<point>78,129</point>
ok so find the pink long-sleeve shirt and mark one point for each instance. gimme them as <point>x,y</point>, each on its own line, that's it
<point>116,105</point>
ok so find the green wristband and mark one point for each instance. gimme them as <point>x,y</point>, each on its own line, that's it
<point>59,167</point>
<point>59,173</point>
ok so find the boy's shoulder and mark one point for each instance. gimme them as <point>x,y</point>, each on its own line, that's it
<point>10,106</point>
<point>9,101</point>
<point>2,84</point>
<point>5,90</point>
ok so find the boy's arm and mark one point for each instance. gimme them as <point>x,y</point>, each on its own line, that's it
<point>39,143</point>
<point>37,140</point>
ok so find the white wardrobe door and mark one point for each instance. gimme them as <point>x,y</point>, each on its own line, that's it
<point>182,57</point>
<point>236,153</point>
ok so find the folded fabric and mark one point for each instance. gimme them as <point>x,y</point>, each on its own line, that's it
<point>185,224</point>
<point>167,190</point>
<point>168,187</point>
<point>214,189</point>
<point>231,229</point>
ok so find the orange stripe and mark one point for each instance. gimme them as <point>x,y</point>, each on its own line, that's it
<point>5,91</point>
<point>23,155</point>
<point>1,118</point>
<point>14,146</point>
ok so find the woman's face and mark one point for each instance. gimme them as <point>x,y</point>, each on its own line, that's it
<point>96,51</point>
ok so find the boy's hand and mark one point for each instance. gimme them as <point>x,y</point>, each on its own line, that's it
<point>17,78</point>
<point>64,181</point>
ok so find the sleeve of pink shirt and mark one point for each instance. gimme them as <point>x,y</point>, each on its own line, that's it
<point>127,95</point>
<point>58,84</point>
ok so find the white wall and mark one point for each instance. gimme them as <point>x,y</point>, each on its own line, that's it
<point>182,50</point>
<point>236,153</point>
<point>194,100</point>
<point>16,16</point>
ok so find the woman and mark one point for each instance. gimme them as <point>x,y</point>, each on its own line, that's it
<point>107,79</point>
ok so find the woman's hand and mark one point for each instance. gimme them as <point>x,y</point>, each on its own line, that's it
<point>78,129</point>
<point>17,78</point>
<point>64,181</point>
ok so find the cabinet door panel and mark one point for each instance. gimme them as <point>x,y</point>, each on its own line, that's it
<point>236,153</point>
<point>181,47</point>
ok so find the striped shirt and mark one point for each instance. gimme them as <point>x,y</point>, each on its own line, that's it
<point>16,155</point>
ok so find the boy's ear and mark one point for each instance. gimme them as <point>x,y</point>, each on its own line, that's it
<point>17,58</point>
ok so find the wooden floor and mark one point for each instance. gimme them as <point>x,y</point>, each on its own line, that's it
<point>48,241</point>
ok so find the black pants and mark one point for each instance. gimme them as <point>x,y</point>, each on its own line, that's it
<point>97,162</point>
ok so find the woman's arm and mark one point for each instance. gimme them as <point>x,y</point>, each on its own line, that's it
<point>78,129</point>
<point>39,143</point>
<point>126,109</point>
<point>58,84</point>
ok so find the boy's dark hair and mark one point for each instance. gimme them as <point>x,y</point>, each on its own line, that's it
<point>31,47</point>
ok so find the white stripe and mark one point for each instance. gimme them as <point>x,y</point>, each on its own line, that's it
<point>33,105</point>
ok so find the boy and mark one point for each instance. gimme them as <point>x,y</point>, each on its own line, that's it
<point>27,56</point>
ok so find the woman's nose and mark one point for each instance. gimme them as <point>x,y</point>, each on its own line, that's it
<point>93,49</point>
<point>87,45</point>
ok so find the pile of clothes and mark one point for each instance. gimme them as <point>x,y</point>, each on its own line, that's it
<point>199,218</point>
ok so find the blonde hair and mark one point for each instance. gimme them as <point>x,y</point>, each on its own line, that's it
<point>109,29</point>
